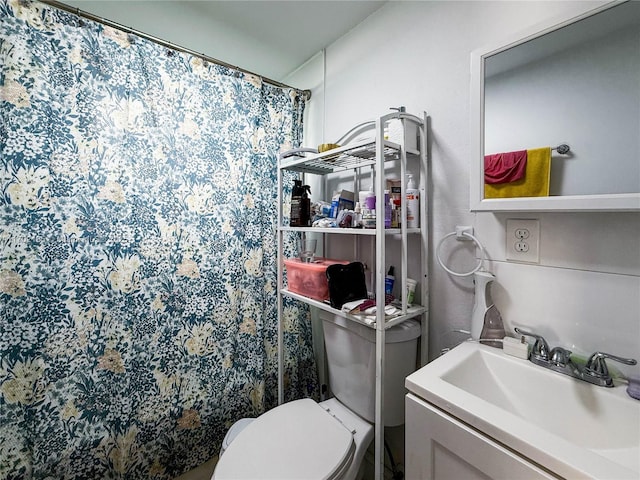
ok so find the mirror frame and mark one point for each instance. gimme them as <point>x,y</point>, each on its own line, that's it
<point>567,203</point>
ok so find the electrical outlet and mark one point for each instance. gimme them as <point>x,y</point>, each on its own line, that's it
<point>522,240</point>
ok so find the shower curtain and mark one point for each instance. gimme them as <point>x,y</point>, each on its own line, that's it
<point>137,251</point>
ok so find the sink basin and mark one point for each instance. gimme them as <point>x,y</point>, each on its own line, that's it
<point>566,425</point>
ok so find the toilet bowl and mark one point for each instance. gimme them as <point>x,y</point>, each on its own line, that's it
<point>233,432</point>
<point>304,439</point>
<point>301,439</point>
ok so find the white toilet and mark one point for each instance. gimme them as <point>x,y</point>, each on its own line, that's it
<point>303,439</point>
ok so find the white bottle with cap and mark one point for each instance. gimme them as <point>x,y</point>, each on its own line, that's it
<point>357,216</point>
<point>413,203</point>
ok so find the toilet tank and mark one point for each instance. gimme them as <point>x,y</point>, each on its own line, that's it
<point>351,358</point>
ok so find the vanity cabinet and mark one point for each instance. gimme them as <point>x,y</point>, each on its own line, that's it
<point>358,159</point>
<point>438,446</point>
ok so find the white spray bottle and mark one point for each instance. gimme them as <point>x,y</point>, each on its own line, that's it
<point>486,322</point>
<point>413,203</point>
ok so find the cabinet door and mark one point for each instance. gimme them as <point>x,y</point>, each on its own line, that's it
<point>440,447</point>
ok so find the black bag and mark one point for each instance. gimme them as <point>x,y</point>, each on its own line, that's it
<point>346,283</point>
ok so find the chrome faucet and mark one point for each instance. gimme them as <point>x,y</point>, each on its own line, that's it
<point>596,368</point>
<point>540,349</point>
<point>559,360</point>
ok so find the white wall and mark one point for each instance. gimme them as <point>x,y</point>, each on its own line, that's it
<point>585,293</point>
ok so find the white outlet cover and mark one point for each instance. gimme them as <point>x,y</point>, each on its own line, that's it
<point>522,240</point>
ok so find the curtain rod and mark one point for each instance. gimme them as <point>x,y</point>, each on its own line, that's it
<point>165,43</point>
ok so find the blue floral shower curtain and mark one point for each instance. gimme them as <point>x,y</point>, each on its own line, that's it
<point>137,251</point>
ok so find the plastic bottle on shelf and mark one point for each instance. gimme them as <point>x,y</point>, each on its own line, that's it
<point>368,218</point>
<point>370,199</point>
<point>387,210</point>
<point>305,207</point>
<point>413,203</point>
<point>357,216</point>
<point>389,280</point>
<point>396,214</point>
<point>296,204</point>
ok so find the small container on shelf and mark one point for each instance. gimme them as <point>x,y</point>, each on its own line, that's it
<point>309,279</point>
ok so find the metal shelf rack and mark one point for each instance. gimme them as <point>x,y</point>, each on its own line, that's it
<point>374,153</point>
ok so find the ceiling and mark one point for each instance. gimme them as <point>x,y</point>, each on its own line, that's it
<point>294,29</point>
<point>271,38</point>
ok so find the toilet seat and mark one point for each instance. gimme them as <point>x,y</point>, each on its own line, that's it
<point>297,440</point>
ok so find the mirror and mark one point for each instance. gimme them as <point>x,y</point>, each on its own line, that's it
<point>574,82</point>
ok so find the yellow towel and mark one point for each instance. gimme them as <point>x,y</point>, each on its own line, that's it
<point>535,182</point>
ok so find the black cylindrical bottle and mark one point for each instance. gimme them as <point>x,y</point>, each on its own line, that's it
<point>295,219</point>
<point>305,207</point>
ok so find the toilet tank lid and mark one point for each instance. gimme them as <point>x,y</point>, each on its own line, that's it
<point>402,332</point>
<point>292,441</point>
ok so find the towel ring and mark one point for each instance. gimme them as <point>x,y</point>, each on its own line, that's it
<point>460,235</point>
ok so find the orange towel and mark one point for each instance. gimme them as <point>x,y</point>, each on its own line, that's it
<point>535,182</point>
